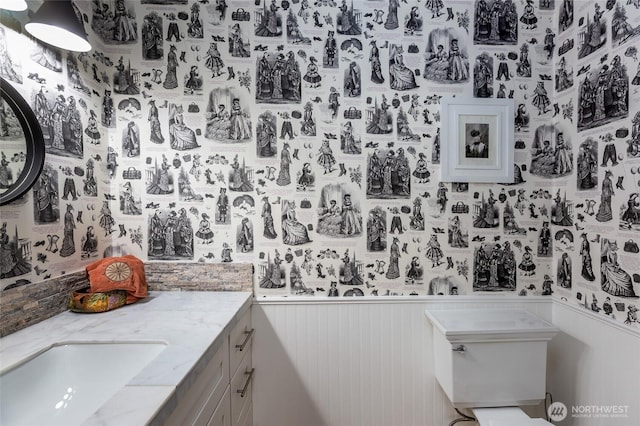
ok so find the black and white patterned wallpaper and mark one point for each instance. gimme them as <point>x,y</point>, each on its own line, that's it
<point>304,136</point>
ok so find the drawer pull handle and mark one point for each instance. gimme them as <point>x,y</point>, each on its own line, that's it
<point>243,391</point>
<point>247,337</point>
<point>460,349</point>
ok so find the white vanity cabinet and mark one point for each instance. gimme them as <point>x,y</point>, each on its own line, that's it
<point>221,394</point>
<point>241,372</point>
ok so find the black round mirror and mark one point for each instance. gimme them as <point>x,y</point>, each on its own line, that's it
<point>21,145</point>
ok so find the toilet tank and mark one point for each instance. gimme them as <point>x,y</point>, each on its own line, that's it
<point>490,357</point>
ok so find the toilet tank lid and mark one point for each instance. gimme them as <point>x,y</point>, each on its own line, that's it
<point>490,324</point>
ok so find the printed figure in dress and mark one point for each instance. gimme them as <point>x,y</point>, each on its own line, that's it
<point>308,126</point>
<point>450,65</point>
<point>213,60</point>
<point>306,177</point>
<point>238,47</point>
<point>266,135</point>
<point>376,230</point>
<point>278,78</point>
<point>585,253</point>
<point>496,22</point>
<point>593,33</point>
<point>352,81</point>
<point>391,22</point>
<point>334,104</point>
<point>565,17</point>
<point>152,37</point>
<point>434,252</point>
<point>486,213</point>
<point>312,76</point>
<point>457,236</point>
<point>348,22</point>
<point>564,75</point>
<point>160,179</point>
<point>349,273</point>
<point>338,214</point>
<point>494,268</point>
<point>604,95</point>
<point>117,26</point>
<point>13,261</point>
<point>204,231</point>
<point>388,174</point>
<point>129,203</point>
<point>273,273</point>
<point>294,35</point>
<point>414,271</point>
<point>614,279</point>
<point>155,131</point>
<point>587,165</point>
<point>131,140</point>
<point>630,216</point>
<point>564,271</point>
<point>171,77</point>
<point>540,98</point>
<point>416,219</point>
<point>267,220</point>
<point>192,81</point>
<point>349,143</point>
<point>9,68</point>
<point>293,231</point>
<point>604,211</point>
<point>549,160</point>
<point>325,157</point>
<point>195,23</point>
<point>379,118</point>
<point>413,21</point>
<point>401,77</point>
<point>483,76</point>
<point>393,271</point>
<point>45,196</point>
<point>376,65</point>
<point>269,21</point>
<point>523,67</point>
<point>181,136</point>
<point>244,238</point>
<point>68,244</point>
<point>241,176</point>
<point>284,176</point>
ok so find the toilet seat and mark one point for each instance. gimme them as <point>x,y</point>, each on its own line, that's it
<point>506,416</point>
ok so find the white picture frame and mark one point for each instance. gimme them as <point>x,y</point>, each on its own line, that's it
<point>477,142</point>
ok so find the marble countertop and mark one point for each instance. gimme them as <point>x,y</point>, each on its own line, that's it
<point>191,323</point>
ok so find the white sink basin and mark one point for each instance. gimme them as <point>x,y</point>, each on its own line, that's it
<point>68,382</point>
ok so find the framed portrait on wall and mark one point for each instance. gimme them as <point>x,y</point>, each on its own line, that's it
<point>477,140</point>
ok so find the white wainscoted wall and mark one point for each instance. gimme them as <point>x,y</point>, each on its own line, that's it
<point>359,362</point>
<point>594,361</point>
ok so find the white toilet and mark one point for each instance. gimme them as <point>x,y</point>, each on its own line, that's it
<point>492,361</point>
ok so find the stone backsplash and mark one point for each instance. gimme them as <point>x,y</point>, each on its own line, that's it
<point>29,304</point>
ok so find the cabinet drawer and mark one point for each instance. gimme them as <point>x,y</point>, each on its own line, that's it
<point>200,401</point>
<point>240,340</point>
<point>222,415</point>
<point>248,420</point>
<point>241,388</point>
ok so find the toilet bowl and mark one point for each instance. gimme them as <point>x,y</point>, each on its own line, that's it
<point>506,416</point>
